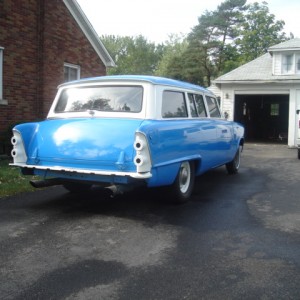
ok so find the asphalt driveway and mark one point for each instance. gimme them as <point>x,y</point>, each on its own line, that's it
<point>238,238</point>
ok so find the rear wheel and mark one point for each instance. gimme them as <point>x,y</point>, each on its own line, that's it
<point>233,166</point>
<point>299,153</point>
<point>182,188</point>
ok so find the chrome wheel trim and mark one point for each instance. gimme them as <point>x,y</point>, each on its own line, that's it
<point>184,177</point>
<point>237,158</point>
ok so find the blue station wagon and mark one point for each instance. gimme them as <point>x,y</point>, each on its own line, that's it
<point>124,131</point>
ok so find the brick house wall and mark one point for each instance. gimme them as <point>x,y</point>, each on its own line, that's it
<point>64,42</point>
<point>18,36</point>
<point>38,37</point>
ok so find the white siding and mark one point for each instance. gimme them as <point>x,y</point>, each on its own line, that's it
<point>276,64</point>
<point>297,99</point>
<point>292,119</point>
<point>297,117</point>
<point>227,103</point>
<point>214,89</point>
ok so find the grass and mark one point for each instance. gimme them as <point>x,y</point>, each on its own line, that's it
<point>12,181</point>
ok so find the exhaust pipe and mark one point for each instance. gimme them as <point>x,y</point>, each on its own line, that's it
<point>118,189</point>
<point>45,183</point>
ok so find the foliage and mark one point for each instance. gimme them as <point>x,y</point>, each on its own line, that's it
<point>259,31</point>
<point>132,55</point>
<point>172,62</point>
<point>210,36</point>
<point>11,181</point>
<point>223,39</point>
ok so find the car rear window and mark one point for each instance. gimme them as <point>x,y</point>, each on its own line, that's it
<point>101,98</point>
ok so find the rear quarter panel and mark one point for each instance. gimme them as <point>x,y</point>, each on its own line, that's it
<point>210,143</point>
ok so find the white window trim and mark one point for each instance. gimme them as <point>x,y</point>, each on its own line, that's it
<point>297,56</point>
<point>77,67</point>
<point>292,71</point>
<point>2,101</point>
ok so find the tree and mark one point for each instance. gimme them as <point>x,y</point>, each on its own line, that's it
<point>171,63</point>
<point>208,39</point>
<point>224,39</point>
<point>133,55</point>
<point>258,32</point>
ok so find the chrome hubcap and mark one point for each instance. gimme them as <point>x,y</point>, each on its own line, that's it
<point>184,176</point>
<point>237,158</point>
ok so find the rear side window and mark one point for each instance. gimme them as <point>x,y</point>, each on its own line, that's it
<point>200,105</point>
<point>192,104</point>
<point>213,107</point>
<point>197,105</point>
<point>173,105</point>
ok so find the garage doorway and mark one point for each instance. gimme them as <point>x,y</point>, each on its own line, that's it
<point>265,117</point>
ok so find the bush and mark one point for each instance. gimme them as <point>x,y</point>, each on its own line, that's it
<point>12,181</point>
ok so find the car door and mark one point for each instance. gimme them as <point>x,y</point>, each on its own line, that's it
<point>206,132</point>
<point>224,131</point>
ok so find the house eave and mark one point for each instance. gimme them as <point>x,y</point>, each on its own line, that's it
<point>256,81</point>
<point>89,32</point>
<point>284,50</point>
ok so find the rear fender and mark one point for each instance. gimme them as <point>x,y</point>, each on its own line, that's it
<point>165,174</point>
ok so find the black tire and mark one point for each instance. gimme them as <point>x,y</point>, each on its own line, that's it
<point>299,153</point>
<point>74,187</point>
<point>233,166</point>
<point>181,190</point>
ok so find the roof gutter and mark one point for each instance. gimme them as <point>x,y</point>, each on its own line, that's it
<point>255,81</point>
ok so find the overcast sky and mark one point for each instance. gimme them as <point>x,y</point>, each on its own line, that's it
<point>157,19</point>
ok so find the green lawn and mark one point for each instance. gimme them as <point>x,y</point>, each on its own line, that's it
<point>11,180</point>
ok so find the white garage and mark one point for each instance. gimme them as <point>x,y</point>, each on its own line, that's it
<point>264,94</point>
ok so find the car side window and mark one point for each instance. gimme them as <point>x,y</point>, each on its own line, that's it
<point>200,105</point>
<point>173,105</point>
<point>213,107</point>
<point>192,104</point>
<point>197,105</point>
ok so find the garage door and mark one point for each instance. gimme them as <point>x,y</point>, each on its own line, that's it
<point>265,117</point>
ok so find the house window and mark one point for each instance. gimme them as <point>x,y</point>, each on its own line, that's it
<point>288,64</point>
<point>71,72</point>
<point>274,109</point>
<point>298,64</point>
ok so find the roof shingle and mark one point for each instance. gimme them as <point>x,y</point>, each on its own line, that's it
<point>260,69</point>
